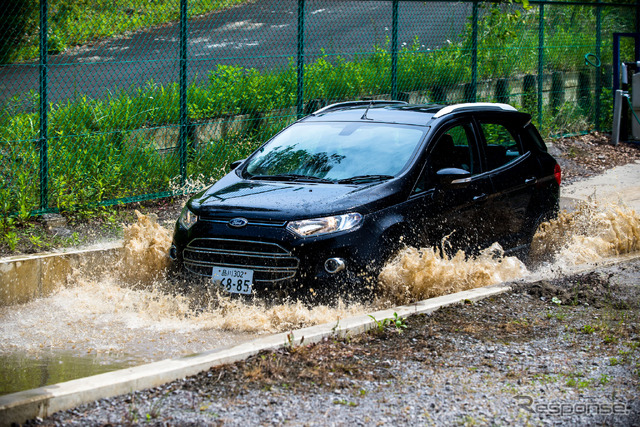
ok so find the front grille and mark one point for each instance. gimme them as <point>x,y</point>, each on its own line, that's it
<point>254,222</point>
<point>270,262</point>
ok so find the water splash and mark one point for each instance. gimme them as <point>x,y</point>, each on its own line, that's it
<point>591,232</point>
<point>134,312</point>
<point>146,248</point>
<point>415,274</point>
<point>261,316</point>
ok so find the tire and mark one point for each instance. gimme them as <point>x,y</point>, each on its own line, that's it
<point>525,252</point>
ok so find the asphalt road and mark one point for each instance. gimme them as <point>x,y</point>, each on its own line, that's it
<point>261,34</point>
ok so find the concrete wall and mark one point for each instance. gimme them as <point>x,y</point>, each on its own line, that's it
<point>165,139</point>
<point>26,277</point>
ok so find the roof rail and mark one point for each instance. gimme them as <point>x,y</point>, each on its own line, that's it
<point>473,105</point>
<point>348,104</point>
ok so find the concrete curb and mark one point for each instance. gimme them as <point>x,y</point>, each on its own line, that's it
<point>44,401</point>
<point>27,277</point>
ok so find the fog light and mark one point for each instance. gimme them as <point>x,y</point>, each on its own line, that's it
<point>334,265</point>
<point>173,252</point>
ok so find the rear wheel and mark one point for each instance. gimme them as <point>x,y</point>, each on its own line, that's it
<point>525,253</point>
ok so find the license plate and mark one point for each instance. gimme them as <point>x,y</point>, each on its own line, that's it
<point>234,280</point>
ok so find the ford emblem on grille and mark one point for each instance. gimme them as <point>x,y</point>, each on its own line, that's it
<point>238,222</point>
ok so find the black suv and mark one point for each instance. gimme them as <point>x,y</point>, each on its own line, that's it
<point>329,198</point>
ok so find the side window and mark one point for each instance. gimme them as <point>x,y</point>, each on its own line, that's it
<point>532,136</point>
<point>452,149</point>
<point>501,146</point>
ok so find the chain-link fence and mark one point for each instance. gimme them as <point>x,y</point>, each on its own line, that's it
<point>113,101</point>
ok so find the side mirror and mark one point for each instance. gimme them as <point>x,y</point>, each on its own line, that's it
<point>453,177</point>
<point>235,164</point>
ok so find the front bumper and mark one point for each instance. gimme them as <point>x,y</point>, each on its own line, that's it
<point>270,262</point>
<point>276,256</point>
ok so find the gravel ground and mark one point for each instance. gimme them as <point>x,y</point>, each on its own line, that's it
<point>558,352</point>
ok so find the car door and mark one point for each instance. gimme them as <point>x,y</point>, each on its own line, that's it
<point>450,194</point>
<point>512,170</point>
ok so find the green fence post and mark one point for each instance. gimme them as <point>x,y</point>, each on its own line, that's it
<point>598,70</point>
<point>182,139</point>
<point>300,61</point>
<point>394,50</point>
<point>540,61</point>
<point>43,137</point>
<point>474,54</point>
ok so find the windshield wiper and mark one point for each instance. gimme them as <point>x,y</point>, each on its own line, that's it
<point>292,177</point>
<point>364,178</point>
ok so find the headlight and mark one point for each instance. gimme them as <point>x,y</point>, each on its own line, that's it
<point>330,224</point>
<point>187,218</point>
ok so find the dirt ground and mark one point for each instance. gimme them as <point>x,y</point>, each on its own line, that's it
<point>588,155</point>
<point>56,232</point>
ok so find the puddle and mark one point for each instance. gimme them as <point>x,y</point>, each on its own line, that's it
<point>133,316</point>
<point>20,371</point>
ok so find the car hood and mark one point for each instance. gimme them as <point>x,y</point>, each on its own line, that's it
<point>234,196</point>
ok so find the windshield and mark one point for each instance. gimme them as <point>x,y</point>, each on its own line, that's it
<point>336,151</point>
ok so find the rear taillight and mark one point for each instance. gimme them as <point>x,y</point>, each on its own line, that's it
<point>557,173</point>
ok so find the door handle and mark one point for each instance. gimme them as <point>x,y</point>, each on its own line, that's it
<point>480,198</point>
<point>531,181</point>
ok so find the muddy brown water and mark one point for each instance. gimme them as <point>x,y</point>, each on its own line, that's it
<point>132,316</point>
